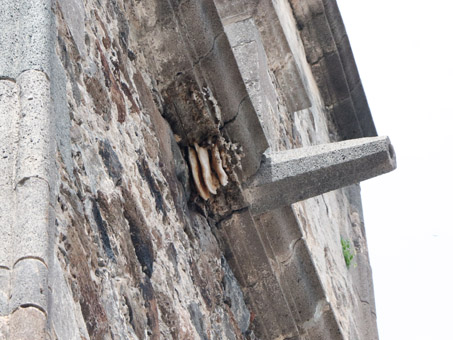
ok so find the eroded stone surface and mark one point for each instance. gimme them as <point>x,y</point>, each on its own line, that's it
<point>137,254</point>
<point>27,37</point>
<point>9,136</point>
<point>29,285</point>
<point>27,323</point>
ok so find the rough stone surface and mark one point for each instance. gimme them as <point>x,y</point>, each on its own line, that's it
<point>27,324</point>
<point>9,137</point>
<point>31,230</point>
<point>29,285</point>
<point>101,226</point>
<point>27,35</point>
<point>4,291</point>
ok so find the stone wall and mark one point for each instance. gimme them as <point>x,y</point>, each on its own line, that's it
<point>104,233</point>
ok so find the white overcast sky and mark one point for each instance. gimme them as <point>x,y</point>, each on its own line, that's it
<point>404,53</point>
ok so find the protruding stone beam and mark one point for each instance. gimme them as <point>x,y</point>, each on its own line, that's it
<point>290,176</point>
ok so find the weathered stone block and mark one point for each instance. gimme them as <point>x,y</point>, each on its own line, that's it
<point>254,270</point>
<point>9,121</point>
<point>251,58</point>
<point>28,324</point>
<point>4,291</point>
<point>29,285</point>
<point>34,156</point>
<point>7,212</point>
<point>30,234</point>
<point>4,327</point>
<point>295,175</point>
<point>74,15</point>
<point>27,36</point>
<point>9,117</point>
<point>244,242</point>
<point>220,71</point>
<point>246,130</point>
<point>202,25</point>
<point>235,298</point>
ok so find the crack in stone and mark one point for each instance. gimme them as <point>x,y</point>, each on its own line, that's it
<point>199,59</point>
<point>225,123</point>
<point>230,215</point>
<point>292,251</point>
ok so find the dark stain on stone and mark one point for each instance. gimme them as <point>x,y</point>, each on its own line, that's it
<point>151,306</point>
<point>131,55</point>
<point>197,319</point>
<point>145,172</point>
<point>100,97</point>
<point>140,234</point>
<point>173,256</point>
<point>102,231</point>
<point>111,161</point>
<point>187,110</point>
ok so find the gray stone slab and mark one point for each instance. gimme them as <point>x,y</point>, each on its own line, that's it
<point>235,10</point>
<point>27,36</point>
<point>292,262</point>
<point>35,133</point>
<point>220,70</point>
<point>30,234</point>
<point>301,284</point>
<point>298,174</point>
<point>4,291</point>
<point>63,320</point>
<point>273,317</point>
<point>281,241</point>
<point>28,324</point>
<point>74,15</point>
<point>251,58</point>
<point>201,25</point>
<point>4,327</point>
<point>9,119</point>
<point>245,244</point>
<point>234,294</point>
<point>246,131</point>
<point>253,270</point>
<point>29,285</point>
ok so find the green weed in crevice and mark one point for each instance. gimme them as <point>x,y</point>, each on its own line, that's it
<point>348,252</point>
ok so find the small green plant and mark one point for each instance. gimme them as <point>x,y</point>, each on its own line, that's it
<point>348,253</point>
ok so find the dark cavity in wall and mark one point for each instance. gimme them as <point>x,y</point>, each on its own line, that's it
<point>111,161</point>
<point>102,231</point>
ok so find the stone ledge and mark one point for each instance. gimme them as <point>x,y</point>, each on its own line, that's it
<point>298,174</point>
